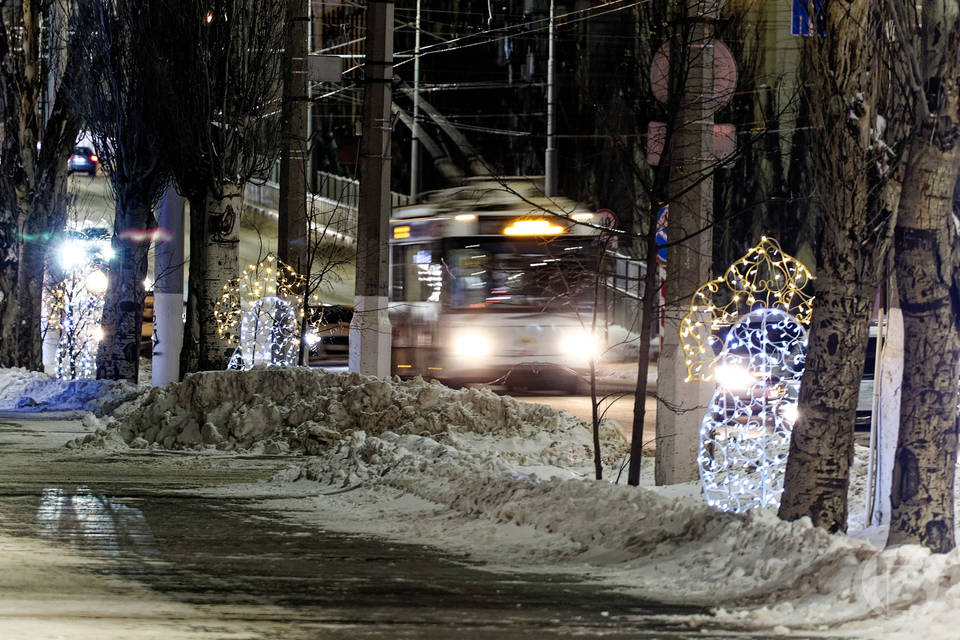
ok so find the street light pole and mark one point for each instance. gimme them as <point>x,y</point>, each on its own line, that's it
<point>550,160</point>
<point>370,328</point>
<point>415,129</point>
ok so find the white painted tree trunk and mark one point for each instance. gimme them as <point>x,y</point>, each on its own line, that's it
<point>220,264</point>
<point>889,380</point>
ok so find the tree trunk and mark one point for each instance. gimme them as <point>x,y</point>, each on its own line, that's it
<point>118,356</point>
<point>214,259</point>
<point>821,449</point>
<point>857,213</point>
<point>922,509</point>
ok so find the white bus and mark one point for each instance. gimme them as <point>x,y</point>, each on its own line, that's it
<point>486,286</point>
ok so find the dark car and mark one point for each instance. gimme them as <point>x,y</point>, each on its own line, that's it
<point>330,342</point>
<point>84,160</point>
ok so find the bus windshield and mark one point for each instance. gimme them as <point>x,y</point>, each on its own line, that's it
<point>486,273</point>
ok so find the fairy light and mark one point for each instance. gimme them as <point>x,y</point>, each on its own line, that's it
<point>75,308</point>
<point>764,278</point>
<point>753,320</point>
<point>260,312</point>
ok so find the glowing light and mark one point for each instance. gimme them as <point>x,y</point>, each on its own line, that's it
<point>97,282</point>
<point>260,312</point>
<point>533,227</point>
<point>582,217</point>
<point>746,332</point>
<point>401,232</point>
<point>465,217</point>
<point>580,342</point>
<point>471,344</point>
<point>745,434</point>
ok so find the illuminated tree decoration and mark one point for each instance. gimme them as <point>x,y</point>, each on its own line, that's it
<point>75,307</point>
<point>765,278</point>
<point>260,311</point>
<point>745,331</point>
<point>745,434</point>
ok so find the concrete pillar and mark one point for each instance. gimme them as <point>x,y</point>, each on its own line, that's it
<point>168,290</point>
<point>370,329</point>
<point>681,404</point>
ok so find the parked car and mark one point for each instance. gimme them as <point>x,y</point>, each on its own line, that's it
<point>84,160</point>
<point>330,343</point>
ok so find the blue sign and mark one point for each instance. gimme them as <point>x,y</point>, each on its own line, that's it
<point>662,233</point>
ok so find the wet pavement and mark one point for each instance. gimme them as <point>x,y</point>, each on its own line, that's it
<point>142,517</point>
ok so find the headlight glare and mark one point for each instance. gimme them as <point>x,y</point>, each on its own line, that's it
<point>471,344</point>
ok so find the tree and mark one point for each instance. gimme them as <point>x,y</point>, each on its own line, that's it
<point>38,127</point>
<point>117,98</point>
<point>927,266</point>
<point>219,68</point>
<point>849,97</point>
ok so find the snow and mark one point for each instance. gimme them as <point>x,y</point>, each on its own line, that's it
<point>513,484</point>
<point>24,390</point>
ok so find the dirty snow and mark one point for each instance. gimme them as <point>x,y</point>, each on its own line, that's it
<point>513,484</point>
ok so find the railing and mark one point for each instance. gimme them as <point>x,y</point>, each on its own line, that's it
<point>335,190</point>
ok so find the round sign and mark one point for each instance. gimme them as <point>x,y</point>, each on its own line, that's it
<point>724,71</point>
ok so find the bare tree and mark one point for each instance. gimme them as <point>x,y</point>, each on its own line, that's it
<point>850,101</point>
<point>927,266</point>
<point>219,70</point>
<point>37,130</point>
<point>117,98</point>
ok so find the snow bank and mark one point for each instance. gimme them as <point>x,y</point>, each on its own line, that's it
<point>23,390</point>
<point>301,410</point>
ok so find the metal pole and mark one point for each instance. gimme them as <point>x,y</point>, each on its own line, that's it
<point>415,129</point>
<point>550,157</point>
<point>370,328</point>
<point>168,290</point>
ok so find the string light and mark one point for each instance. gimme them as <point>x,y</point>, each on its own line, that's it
<point>753,321</point>
<point>764,278</point>
<point>260,312</point>
<point>75,306</point>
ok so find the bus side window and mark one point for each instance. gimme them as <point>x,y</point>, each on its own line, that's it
<point>470,276</point>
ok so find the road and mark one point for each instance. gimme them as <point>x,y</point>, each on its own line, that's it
<point>125,544</point>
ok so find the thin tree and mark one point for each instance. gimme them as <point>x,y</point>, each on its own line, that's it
<point>117,99</point>
<point>38,127</point>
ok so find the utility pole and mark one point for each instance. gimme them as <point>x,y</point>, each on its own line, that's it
<point>292,208</point>
<point>681,404</point>
<point>415,129</point>
<point>370,328</point>
<point>550,157</point>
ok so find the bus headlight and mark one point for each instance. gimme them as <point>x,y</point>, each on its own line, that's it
<point>471,344</point>
<point>579,343</point>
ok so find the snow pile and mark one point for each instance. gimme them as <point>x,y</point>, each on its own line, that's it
<point>24,390</point>
<point>300,410</point>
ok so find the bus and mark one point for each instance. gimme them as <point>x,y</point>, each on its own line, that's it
<point>492,282</point>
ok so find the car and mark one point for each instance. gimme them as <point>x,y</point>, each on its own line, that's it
<point>83,160</point>
<point>330,342</point>
<point>865,396</point>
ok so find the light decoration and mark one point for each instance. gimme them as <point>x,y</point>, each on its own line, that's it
<point>75,308</point>
<point>260,312</point>
<point>746,331</point>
